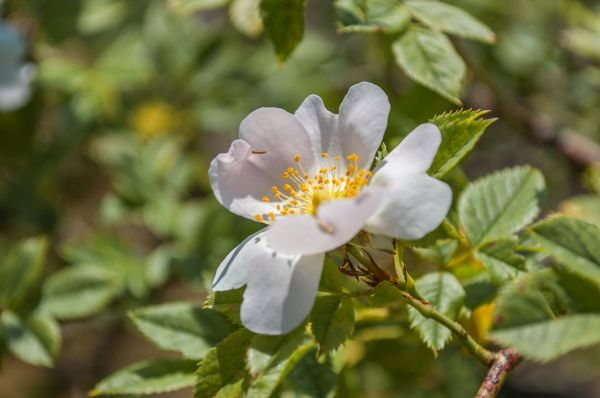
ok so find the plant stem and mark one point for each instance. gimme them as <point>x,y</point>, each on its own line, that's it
<point>499,363</point>
<point>504,361</point>
<point>484,356</point>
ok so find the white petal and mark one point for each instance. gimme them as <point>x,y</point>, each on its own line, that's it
<point>281,291</point>
<point>321,126</point>
<point>363,120</point>
<point>239,180</point>
<point>17,92</point>
<point>233,271</point>
<point>415,204</point>
<point>281,136</point>
<point>416,152</point>
<point>336,223</point>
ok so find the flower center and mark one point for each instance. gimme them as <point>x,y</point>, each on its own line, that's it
<point>303,193</point>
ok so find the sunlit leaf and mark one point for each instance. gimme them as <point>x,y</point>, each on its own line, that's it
<point>183,327</point>
<point>271,359</point>
<point>79,291</point>
<point>21,269</point>
<point>547,340</point>
<point>224,365</point>
<point>428,57</point>
<point>461,130</point>
<point>34,339</point>
<point>148,377</point>
<point>371,15</point>
<point>573,243</point>
<point>450,19</point>
<point>500,259</point>
<point>443,291</point>
<point>497,206</point>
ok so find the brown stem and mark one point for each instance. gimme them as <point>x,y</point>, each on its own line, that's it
<point>504,361</point>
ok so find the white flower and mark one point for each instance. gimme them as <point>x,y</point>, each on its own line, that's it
<point>308,177</point>
<point>15,75</point>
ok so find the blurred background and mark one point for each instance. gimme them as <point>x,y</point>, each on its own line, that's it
<point>132,99</point>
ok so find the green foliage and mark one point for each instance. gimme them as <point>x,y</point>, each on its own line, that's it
<point>500,259</point>
<point>497,206</point>
<point>450,19</point>
<point>20,270</point>
<point>461,130</point>
<point>79,291</point>
<point>311,378</point>
<point>228,303</point>
<point>191,6</point>
<point>284,23</point>
<point>428,57</point>
<point>182,327</point>
<point>547,340</point>
<point>573,243</point>
<point>32,338</point>
<point>223,365</point>
<point>332,316</point>
<point>371,16</point>
<point>271,358</point>
<point>445,293</point>
<point>148,377</point>
<point>527,299</point>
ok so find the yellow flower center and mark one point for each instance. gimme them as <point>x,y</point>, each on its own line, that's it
<point>303,193</point>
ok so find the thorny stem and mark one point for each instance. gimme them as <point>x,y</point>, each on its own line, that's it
<point>499,363</point>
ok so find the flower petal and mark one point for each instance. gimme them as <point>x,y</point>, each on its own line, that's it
<point>363,120</point>
<point>416,151</point>
<point>281,288</point>
<point>239,181</point>
<point>321,126</point>
<point>233,271</point>
<point>280,136</point>
<point>336,223</point>
<point>416,203</point>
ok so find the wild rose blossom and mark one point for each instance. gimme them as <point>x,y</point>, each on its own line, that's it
<point>307,177</point>
<point>15,74</point>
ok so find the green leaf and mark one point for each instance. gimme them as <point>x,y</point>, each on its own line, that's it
<point>20,270</point>
<point>450,19</point>
<point>309,378</point>
<point>573,243</point>
<point>428,57</point>
<point>460,132</point>
<point>224,365</point>
<point>227,303</point>
<point>527,299</point>
<point>500,259</point>
<point>79,291</point>
<point>34,339</point>
<point>245,16</point>
<point>332,320</point>
<point>182,327</point>
<point>331,278</point>
<point>444,292</point>
<point>439,253</point>
<point>284,23</point>
<point>545,341</point>
<point>371,15</point>
<point>584,207</point>
<point>271,359</point>
<point>384,294</point>
<point>149,377</point>
<point>191,6</point>
<point>497,206</point>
